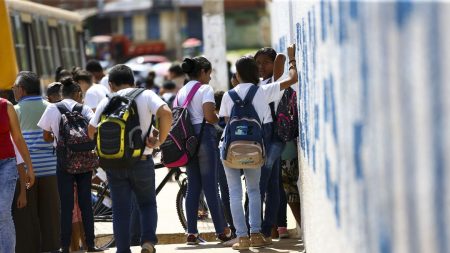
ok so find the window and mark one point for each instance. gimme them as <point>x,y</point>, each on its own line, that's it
<point>44,59</point>
<point>56,46</point>
<point>65,46</point>
<point>22,56</point>
<point>153,31</point>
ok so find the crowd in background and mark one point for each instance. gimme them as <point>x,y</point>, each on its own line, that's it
<point>51,207</point>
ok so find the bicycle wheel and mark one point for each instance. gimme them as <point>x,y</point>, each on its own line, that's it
<point>101,206</point>
<point>204,219</point>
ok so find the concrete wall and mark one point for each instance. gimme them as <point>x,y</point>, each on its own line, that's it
<point>375,113</point>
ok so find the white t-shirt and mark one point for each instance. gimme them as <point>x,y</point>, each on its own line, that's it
<point>105,82</point>
<point>203,95</point>
<point>19,159</point>
<point>147,104</point>
<point>265,95</point>
<point>94,95</point>
<point>51,117</point>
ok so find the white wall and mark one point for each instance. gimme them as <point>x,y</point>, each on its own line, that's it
<point>375,113</point>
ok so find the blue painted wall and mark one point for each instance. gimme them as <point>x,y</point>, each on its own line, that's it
<point>375,117</point>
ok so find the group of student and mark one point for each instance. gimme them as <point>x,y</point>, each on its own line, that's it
<point>51,179</point>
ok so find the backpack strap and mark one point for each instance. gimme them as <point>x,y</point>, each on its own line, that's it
<point>189,97</point>
<point>134,93</point>
<point>250,94</point>
<point>62,108</point>
<point>78,108</point>
<point>235,97</point>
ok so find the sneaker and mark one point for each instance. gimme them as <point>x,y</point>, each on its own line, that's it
<point>242,244</point>
<point>283,232</point>
<point>94,249</point>
<point>230,242</point>
<point>268,240</point>
<point>192,239</point>
<point>226,235</point>
<point>148,248</point>
<point>257,240</point>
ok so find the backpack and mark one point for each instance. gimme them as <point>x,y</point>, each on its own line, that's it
<point>243,146</point>
<point>119,134</point>
<point>181,143</point>
<point>74,149</point>
<point>286,126</point>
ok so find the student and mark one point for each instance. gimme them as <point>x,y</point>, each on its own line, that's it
<point>10,129</point>
<point>95,68</point>
<point>202,169</point>
<point>37,225</point>
<point>270,68</point>
<point>169,92</point>
<point>93,93</point>
<point>247,75</point>
<point>177,76</point>
<point>54,92</point>
<point>61,73</point>
<point>50,122</point>
<point>140,178</point>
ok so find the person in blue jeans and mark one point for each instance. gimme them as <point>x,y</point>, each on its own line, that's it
<point>10,129</point>
<point>270,68</point>
<point>247,75</point>
<point>50,123</point>
<point>139,179</point>
<point>202,169</point>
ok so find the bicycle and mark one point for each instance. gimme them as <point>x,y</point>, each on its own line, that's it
<point>102,210</point>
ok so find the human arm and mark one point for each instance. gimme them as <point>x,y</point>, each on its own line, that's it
<point>17,137</point>
<point>278,66</point>
<point>164,115</point>
<point>22,198</point>
<point>209,112</point>
<point>292,78</point>
<point>48,136</point>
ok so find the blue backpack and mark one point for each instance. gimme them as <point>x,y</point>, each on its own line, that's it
<point>243,146</point>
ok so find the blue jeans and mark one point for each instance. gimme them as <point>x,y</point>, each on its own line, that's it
<point>66,195</point>
<point>252,178</point>
<point>8,177</point>
<point>202,175</point>
<point>123,182</point>
<point>270,179</point>
<point>225,194</point>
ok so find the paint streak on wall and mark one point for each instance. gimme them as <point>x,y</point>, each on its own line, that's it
<point>375,112</point>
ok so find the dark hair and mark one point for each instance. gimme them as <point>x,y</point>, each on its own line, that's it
<point>94,66</point>
<point>54,88</point>
<point>176,70</point>
<point>82,75</point>
<point>247,69</point>
<point>169,85</point>
<point>30,82</point>
<point>218,95</point>
<point>121,74</point>
<point>60,73</point>
<point>193,66</point>
<point>69,87</point>
<point>267,51</point>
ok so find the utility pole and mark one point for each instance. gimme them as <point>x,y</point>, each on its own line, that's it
<point>214,42</point>
<point>178,52</point>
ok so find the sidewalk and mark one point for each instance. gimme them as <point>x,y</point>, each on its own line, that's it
<point>284,245</point>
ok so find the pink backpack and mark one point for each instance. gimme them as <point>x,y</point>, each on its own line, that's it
<point>181,143</point>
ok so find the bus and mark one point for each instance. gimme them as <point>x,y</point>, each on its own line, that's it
<point>37,38</point>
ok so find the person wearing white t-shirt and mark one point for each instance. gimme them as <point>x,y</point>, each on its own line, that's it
<point>139,179</point>
<point>270,68</point>
<point>247,75</point>
<point>93,93</point>
<point>49,122</point>
<point>202,169</point>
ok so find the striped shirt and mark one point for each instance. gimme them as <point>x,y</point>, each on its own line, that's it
<point>29,110</point>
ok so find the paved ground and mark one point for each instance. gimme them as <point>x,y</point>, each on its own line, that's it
<point>170,231</point>
<point>282,246</point>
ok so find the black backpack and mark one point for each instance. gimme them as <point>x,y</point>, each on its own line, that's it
<point>119,134</point>
<point>286,126</point>
<point>75,151</point>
